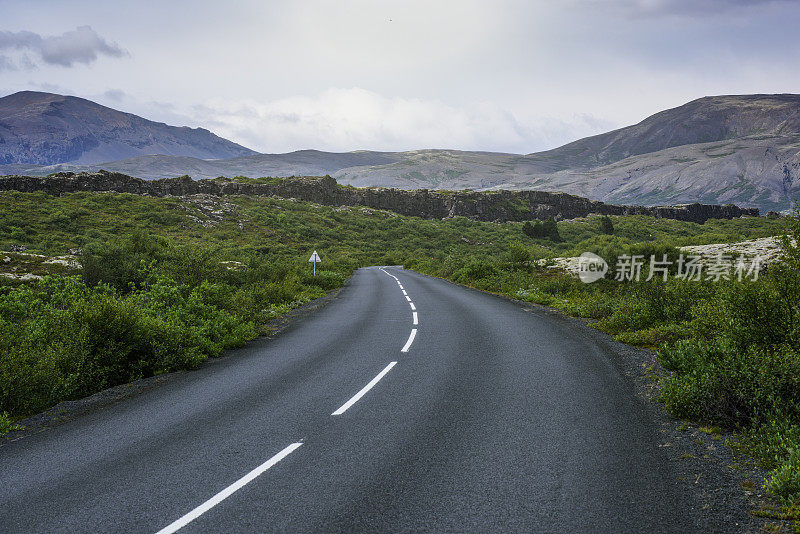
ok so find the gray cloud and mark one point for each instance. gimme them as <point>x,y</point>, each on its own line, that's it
<point>6,63</point>
<point>82,45</point>
<point>118,95</point>
<point>19,40</point>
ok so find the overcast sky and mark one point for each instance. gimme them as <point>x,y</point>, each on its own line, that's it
<point>511,76</point>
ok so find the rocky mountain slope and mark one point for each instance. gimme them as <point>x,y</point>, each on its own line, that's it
<point>739,149</point>
<point>705,120</point>
<point>749,172</point>
<point>484,206</point>
<point>44,129</point>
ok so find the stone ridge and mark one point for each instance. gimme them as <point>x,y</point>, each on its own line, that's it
<point>500,206</point>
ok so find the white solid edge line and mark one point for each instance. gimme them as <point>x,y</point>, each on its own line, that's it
<point>227,492</point>
<point>410,340</point>
<point>415,318</point>
<point>412,306</point>
<point>364,390</point>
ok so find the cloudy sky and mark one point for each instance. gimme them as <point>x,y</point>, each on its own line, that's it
<point>501,75</point>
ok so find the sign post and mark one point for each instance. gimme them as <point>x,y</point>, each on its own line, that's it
<point>315,259</point>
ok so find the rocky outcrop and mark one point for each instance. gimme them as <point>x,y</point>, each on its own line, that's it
<point>768,249</point>
<point>485,206</point>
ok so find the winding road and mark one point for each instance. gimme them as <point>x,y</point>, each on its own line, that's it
<point>406,404</point>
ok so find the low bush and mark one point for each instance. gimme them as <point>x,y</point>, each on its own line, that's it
<point>606,225</point>
<point>474,270</point>
<point>519,256</point>
<point>325,279</point>
<point>7,424</point>
<point>724,385</point>
<point>542,229</point>
<point>71,340</point>
<point>785,479</point>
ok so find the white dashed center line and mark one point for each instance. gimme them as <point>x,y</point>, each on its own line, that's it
<point>415,320</point>
<point>355,398</point>
<point>227,492</point>
<point>410,340</point>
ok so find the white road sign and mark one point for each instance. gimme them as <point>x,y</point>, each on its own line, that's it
<point>315,259</point>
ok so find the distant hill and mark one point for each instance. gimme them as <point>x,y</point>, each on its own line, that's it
<point>46,129</point>
<point>740,149</point>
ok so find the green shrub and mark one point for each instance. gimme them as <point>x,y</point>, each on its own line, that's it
<point>643,305</point>
<point>7,424</point>
<point>722,384</point>
<point>63,339</point>
<point>785,480</point>
<point>326,280</point>
<point>771,439</point>
<point>606,225</point>
<point>474,270</point>
<point>527,229</point>
<point>122,263</point>
<point>542,229</point>
<point>519,255</point>
<point>656,336</point>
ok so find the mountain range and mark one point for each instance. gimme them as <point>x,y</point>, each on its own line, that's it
<point>741,149</point>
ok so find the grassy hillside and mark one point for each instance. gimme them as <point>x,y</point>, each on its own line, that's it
<point>168,282</point>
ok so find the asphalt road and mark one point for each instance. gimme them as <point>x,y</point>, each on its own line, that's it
<point>495,419</point>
